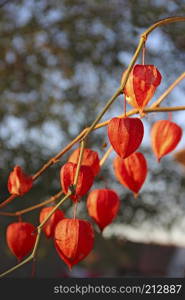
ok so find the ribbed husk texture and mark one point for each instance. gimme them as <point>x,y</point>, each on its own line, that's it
<point>74,240</point>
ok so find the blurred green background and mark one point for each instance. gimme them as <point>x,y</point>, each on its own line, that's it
<point>59,63</point>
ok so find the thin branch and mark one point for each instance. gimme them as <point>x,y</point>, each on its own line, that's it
<point>16,266</point>
<point>168,91</point>
<point>26,210</point>
<point>106,155</point>
<point>109,103</point>
<point>53,210</point>
<point>55,159</point>
<point>162,22</point>
<point>146,110</point>
<point>163,109</point>
<point>119,91</point>
<point>82,146</point>
<point>8,200</point>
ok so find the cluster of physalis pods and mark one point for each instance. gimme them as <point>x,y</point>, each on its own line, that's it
<point>73,237</point>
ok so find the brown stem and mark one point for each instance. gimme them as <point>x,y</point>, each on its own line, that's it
<point>168,91</point>
<point>54,159</point>
<point>106,155</point>
<point>26,210</point>
<point>54,209</point>
<point>162,22</point>
<point>80,157</point>
<point>109,103</point>
<point>8,200</point>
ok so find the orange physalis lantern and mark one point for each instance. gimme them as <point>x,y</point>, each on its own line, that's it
<point>90,158</point>
<point>21,238</point>
<point>131,171</point>
<point>103,206</point>
<point>125,135</point>
<point>18,182</point>
<point>165,136</point>
<point>74,239</point>
<point>141,85</point>
<point>180,157</point>
<point>49,227</point>
<point>85,179</point>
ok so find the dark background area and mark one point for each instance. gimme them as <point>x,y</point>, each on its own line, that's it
<point>59,63</point>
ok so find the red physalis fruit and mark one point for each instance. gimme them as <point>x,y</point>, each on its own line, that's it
<point>103,206</point>
<point>20,237</point>
<point>141,85</point>
<point>165,136</point>
<point>74,239</point>
<point>90,158</point>
<point>18,182</point>
<point>125,135</point>
<point>85,179</point>
<point>131,171</point>
<point>49,227</point>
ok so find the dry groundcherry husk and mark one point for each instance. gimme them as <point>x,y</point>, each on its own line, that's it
<point>103,206</point>
<point>165,136</point>
<point>20,237</point>
<point>18,182</point>
<point>141,85</point>
<point>131,171</point>
<point>125,135</point>
<point>74,240</point>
